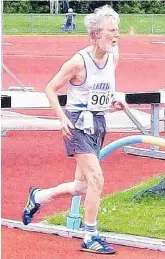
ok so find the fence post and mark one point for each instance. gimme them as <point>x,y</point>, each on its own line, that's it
<point>31,22</point>
<point>152,26</point>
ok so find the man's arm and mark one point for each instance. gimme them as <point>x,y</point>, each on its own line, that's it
<point>68,71</point>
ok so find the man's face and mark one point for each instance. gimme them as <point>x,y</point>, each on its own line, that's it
<point>108,34</point>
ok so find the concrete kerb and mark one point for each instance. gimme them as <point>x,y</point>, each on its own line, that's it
<point>113,238</point>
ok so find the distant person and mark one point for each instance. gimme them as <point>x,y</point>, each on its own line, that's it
<point>69,21</point>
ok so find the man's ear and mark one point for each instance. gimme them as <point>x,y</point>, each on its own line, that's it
<point>96,34</point>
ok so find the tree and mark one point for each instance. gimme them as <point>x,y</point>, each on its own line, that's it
<point>81,6</point>
<point>17,7</point>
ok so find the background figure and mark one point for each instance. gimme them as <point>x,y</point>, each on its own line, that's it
<point>69,21</point>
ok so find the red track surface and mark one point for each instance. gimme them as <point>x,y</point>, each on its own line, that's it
<point>30,158</point>
<point>35,60</point>
<point>26,245</point>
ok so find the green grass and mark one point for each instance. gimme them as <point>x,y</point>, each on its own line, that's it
<point>51,24</point>
<point>120,213</point>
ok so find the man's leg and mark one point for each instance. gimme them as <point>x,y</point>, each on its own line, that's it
<point>90,165</point>
<point>77,187</point>
<point>38,197</point>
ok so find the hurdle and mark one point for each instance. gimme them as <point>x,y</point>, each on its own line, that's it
<point>38,100</point>
<point>154,100</point>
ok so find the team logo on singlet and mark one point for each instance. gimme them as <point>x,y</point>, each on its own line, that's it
<point>101,86</point>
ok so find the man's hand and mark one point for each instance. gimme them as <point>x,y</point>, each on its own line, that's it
<point>66,124</point>
<point>120,105</point>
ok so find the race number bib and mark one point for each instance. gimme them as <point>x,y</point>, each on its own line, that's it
<point>99,100</point>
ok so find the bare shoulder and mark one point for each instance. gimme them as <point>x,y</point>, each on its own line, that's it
<point>75,63</point>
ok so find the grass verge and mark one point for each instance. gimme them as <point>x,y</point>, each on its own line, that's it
<point>51,24</point>
<point>121,213</point>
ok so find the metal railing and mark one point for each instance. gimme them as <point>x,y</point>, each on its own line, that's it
<point>52,24</point>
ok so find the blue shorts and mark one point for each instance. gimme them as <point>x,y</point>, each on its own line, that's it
<point>81,142</point>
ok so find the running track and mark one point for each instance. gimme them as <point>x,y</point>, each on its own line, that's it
<point>30,158</point>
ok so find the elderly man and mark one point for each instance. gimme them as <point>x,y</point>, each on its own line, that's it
<point>90,75</point>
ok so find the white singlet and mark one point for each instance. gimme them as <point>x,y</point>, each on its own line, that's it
<point>97,91</point>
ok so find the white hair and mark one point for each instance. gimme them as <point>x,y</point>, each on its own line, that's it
<point>92,21</point>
